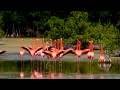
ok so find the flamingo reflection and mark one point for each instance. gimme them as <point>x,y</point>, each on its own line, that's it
<point>22,63</point>
<point>78,75</point>
<point>51,74</point>
<point>60,74</point>
<point>104,67</point>
<point>91,75</point>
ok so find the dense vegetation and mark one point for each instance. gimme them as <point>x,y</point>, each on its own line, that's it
<point>99,26</point>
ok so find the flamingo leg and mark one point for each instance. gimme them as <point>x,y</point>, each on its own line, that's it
<point>61,66</point>
<point>31,65</point>
<point>78,67</point>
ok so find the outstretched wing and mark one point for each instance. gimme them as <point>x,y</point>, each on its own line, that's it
<point>50,47</point>
<point>3,51</point>
<point>73,52</point>
<point>85,51</point>
<point>59,52</point>
<point>27,49</point>
<point>67,51</point>
<point>47,53</point>
<point>39,48</point>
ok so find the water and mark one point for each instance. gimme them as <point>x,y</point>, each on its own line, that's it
<point>11,65</point>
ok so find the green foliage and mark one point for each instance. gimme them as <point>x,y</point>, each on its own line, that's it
<point>1,33</point>
<point>1,24</point>
<point>56,26</point>
<point>69,29</point>
<point>100,27</point>
<point>77,26</point>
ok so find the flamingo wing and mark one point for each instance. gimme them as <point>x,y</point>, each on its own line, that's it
<point>39,48</point>
<point>60,52</point>
<point>30,47</point>
<point>73,52</point>
<point>50,47</point>
<point>3,51</point>
<point>47,53</point>
<point>66,52</point>
<point>27,49</point>
<point>85,51</point>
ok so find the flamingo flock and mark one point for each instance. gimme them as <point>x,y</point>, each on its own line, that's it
<point>54,50</point>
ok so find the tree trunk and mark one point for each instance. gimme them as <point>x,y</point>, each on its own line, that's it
<point>19,31</point>
<point>13,30</point>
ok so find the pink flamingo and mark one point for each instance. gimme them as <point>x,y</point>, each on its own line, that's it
<point>21,54</point>
<point>32,49</point>
<point>78,52</point>
<point>90,54</point>
<point>101,58</point>
<point>60,46</point>
<point>54,52</point>
<point>44,48</point>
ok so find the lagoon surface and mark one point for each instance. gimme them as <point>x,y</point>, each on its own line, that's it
<point>11,65</point>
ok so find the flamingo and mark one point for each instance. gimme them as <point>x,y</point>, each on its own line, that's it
<point>21,49</point>
<point>60,46</point>
<point>40,52</point>
<point>32,49</point>
<point>44,48</point>
<point>101,58</point>
<point>54,52</point>
<point>78,52</point>
<point>90,54</point>
<point>21,54</point>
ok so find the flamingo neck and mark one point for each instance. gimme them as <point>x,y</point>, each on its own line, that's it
<point>55,44</point>
<point>58,44</point>
<point>32,44</point>
<point>101,50</point>
<point>79,45</point>
<point>37,43</point>
<point>91,46</point>
<point>43,43</point>
<point>61,44</point>
<point>50,42</point>
<point>21,43</point>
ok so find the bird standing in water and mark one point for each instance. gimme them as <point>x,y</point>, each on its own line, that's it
<point>21,55</point>
<point>90,54</point>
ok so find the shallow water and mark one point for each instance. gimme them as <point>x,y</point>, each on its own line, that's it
<point>11,64</point>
